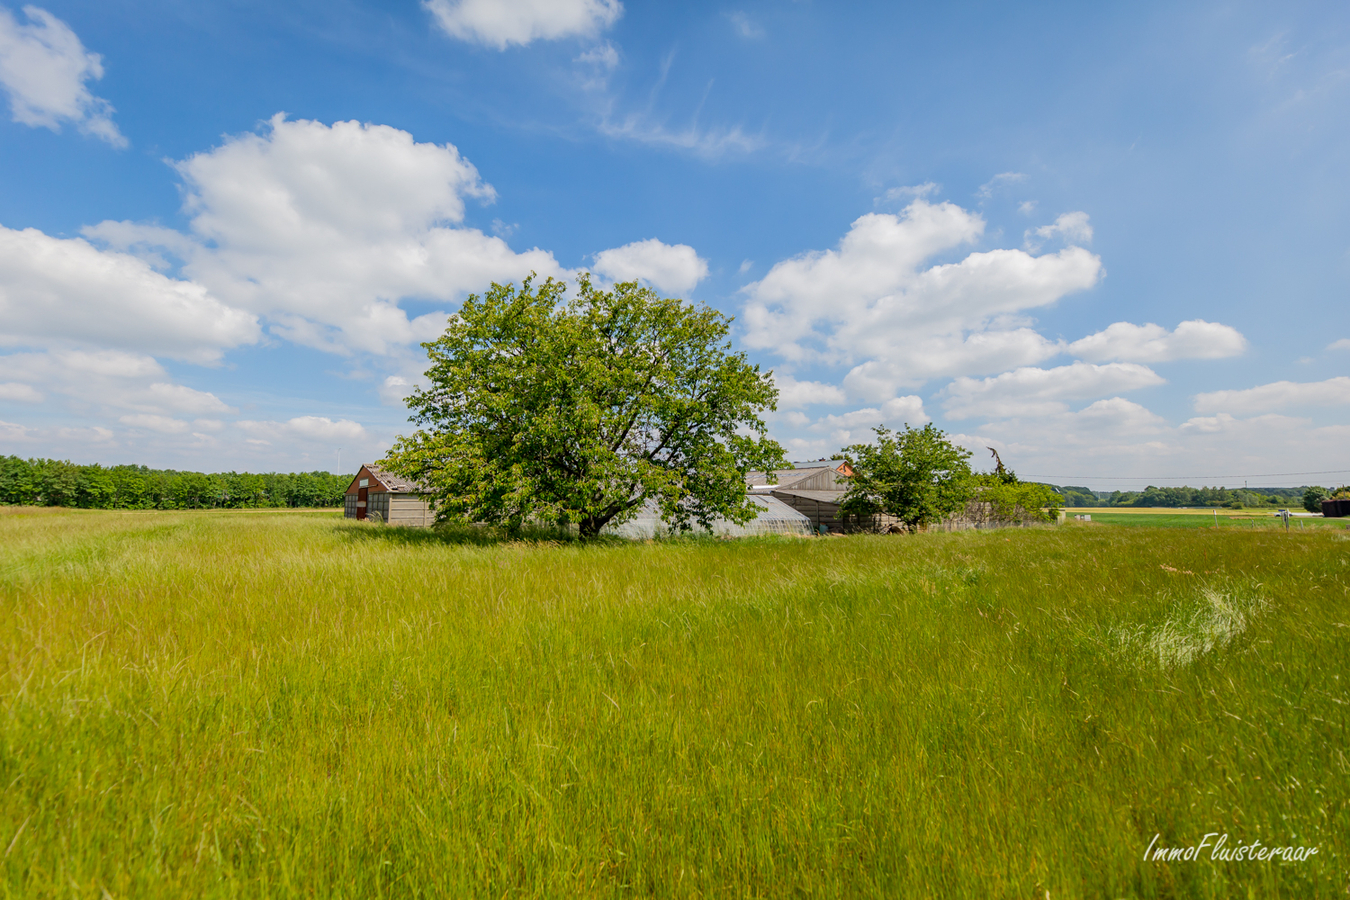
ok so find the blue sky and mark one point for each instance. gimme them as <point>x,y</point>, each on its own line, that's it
<point>1111,241</point>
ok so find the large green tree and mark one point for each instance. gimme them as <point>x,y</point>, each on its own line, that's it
<point>916,475</point>
<point>543,409</point>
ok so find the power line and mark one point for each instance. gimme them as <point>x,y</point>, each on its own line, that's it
<point>1185,477</point>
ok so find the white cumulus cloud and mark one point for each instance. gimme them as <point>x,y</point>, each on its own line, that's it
<point>161,424</point>
<point>1033,391</point>
<point>324,230</point>
<point>949,354</point>
<point>872,304</point>
<point>309,428</point>
<point>794,394</point>
<point>106,382</point>
<point>1195,339</point>
<point>1278,395</point>
<point>500,23</point>
<point>54,289</point>
<point>44,69</point>
<point>894,413</point>
<point>23,393</point>
<point>674,269</point>
<point>1072,227</point>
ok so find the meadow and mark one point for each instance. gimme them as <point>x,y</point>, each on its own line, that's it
<point>1153,517</point>
<point>282,703</point>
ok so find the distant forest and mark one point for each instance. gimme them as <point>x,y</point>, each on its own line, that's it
<point>50,482</point>
<point>1236,498</point>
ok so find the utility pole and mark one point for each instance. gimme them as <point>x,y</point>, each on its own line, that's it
<point>339,471</point>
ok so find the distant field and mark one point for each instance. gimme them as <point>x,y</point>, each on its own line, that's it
<point>1202,518</point>
<point>288,704</point>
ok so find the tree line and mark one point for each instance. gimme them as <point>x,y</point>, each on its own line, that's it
<point>1174,497</point>
<point>50,482</point>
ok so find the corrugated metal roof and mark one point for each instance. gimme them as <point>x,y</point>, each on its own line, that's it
<point>395,483</point>
<point>784,476</point>
<point>774,517</point>
<point>819,464</point>
<point>799,472</point>
<point>818,496</point>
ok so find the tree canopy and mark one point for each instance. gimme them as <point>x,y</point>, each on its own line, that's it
<point>541,409</point>
<point>916,475</point>
<point>1011,498</point>
<point>51,482</point>
<point>919,476</point>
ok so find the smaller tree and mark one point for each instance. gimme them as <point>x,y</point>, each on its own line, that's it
<point>1313,497</point>
<point>916,475</point>
<point>1010,498</point>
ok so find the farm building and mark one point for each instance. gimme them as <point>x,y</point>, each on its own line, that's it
<point>815,490</point>
<point>803,500</point>
<point>382,496</point>
<point>821,475</point>
<point>789,506</point>
<point>775,517</point>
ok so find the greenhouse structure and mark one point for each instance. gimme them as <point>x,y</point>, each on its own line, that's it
<point>775,517</point>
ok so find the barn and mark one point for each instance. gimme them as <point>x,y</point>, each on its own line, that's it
<point>773,517</point>
<point>815,490</point>
<point>381,496</point>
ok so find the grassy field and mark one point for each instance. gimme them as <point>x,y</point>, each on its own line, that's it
<point>1202,518</point>
<point>287,704</point>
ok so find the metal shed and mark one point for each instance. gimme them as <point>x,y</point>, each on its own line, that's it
<point>813,489</point>
<point>822,475</point>
<point>381,496</point>
<point>775,517</point>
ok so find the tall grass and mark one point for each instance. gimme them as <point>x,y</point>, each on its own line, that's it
<point>286,704</point>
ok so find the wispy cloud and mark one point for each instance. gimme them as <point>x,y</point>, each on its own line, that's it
<point>706,142</point>
<point>906,193</point>
<point>1073,227</point>
<point>744,26</point>
<point>999,181</point>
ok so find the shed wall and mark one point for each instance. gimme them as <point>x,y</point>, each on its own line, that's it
<point>410,510</point>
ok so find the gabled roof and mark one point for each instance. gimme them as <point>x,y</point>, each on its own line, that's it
<point>389,481</point>
<point>839,465</point>
<point>784,476</point>
<point>801,471</point>
<point>817,496</point>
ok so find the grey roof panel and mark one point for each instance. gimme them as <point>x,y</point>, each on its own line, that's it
<point>775,517</point>
<point>818,496</point>
<point>397,483</point>
<point>784,476</point>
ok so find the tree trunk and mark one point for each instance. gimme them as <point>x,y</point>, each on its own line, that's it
<point>589,528</point>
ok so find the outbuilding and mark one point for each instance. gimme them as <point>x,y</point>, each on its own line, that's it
<point>381,496</point>
<point>814,490</point>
